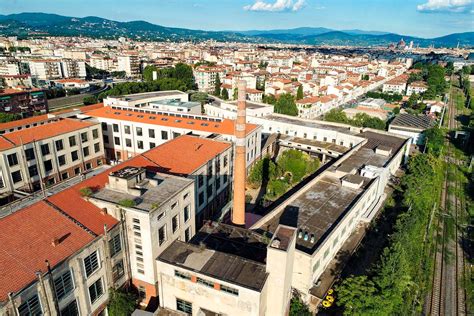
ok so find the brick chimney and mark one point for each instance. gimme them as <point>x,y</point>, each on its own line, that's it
<point>238,209</point>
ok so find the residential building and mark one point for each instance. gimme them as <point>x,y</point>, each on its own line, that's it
<point>42,155</point>
<point>130,64</point>
<point>23,101</point>
<point>45,69</point>
<point>418,87</point>
<point>205,77</point>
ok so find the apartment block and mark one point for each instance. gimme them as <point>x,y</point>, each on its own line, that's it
<point>206,77</point>
<point>23,101</point>
<point>130,131</point>
<point>54,266</point>
<point>42,155</point>
<point>130,63</point>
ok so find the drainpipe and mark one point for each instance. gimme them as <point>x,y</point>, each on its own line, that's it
<point>43,288</point>
<point>53,288</point>
<point>12,302</point>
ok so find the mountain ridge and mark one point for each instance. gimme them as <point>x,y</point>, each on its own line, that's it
<point>38,23</point>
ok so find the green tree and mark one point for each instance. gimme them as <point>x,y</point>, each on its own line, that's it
<point>396,110</point>
<point>434,140</point>
<point>235,94</point>
<point>286,105</point>
<point>264,170</point>
<point>269,99</point>
<point>225,94</point>
<point>199,97</point>
<point>217,86</point>
<point>299,93</point>
<point>8,117</point>
<point>336,115</point>
<point>121,303</point>
<point>148,72</point>
<point>412,100</point>
<point>298,308</point>
<point>90,99</point>
<point>356,294</point>
<point>184,73</point>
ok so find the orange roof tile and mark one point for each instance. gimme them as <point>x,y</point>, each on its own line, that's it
<point>23,122</point>
<point>226,126</point>
<point>185,154</point>
<point>26,237</point>
<point>45,131</point>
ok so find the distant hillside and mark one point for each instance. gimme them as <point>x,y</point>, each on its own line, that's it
<point>38,24</point>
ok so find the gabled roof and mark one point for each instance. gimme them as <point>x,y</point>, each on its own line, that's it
<point>26,239</point>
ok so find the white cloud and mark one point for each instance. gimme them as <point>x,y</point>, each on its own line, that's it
<point>454,6</point>
<point>277,6</point>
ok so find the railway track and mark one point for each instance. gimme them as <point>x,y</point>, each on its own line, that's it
<point>448,296</point>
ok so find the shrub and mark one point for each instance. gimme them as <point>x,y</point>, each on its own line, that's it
<point>86,191</point>
<point>127,203</point>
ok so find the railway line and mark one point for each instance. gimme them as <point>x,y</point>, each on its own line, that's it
<point>447,295</point>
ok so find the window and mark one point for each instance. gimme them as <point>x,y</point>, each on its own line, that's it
<point>127,129</point>
<point>152,145</point>
<point>139,131</point>
<point>184,306</point>
<point>209,190</point>
<point>70,309</point>
<point>16,176</point>
<point>77,171</point>
<point>91,263</point>
<point>201,198</point>
<point>175,135</point>
<point>151,133</point>
<point>117,141</point>
<point>85,151</point>
<point>164,135</point>
<point>59,145</point>
<point>136,220</point>
<point>200,180</point>
<point>187,213</point>
<point>62,160</point>
<point>45,149</point>
<point>48,166</point>
<point>209,171</point>
<point>229,290</point>
<point>95,133</point>
<point>33,170</point>
<point>96,147</point>
<point>74,155</point>
<point>63,285</point>
<point>31,306</point>
<point>72,141</point>
<point>104,126</point>
<point>218,183</point>
<point>162,234</point>
<point>187,234</point>
<point>128,142</point>
<point>84,137</point>
<point>182,275</point>
<point>225,161</point>
<point>141,292</point>
<point>205,282</point>
<point>106,139</point>
<point>118,270</point>
<point>12,160</point>
<point>115,245</point>
<point>140,144</point>
<point>316,266</point>
<point>95,291</point>
<point>175,223</point>
<point>64,176</point>
<point>115,128</point>
<point>30,154</point>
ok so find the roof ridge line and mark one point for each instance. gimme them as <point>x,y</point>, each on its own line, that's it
<point>8,140</point>
<point>75,221</point>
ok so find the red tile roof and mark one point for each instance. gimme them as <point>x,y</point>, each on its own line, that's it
<point>26,240</point>
<point>45,131</point>
<point>18,91</point>
<point>25,121</point>
<point>185,154</point>
<point>225,127</point>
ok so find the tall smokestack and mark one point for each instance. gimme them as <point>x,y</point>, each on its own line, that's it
<point>238,210</point>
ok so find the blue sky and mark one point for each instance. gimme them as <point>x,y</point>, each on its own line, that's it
<point>427,18</point>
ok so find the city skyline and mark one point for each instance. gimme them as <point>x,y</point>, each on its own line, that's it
<point>423,18</point>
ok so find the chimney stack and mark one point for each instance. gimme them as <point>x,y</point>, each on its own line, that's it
<point>238,209</point>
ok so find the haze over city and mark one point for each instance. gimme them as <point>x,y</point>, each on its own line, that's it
<point>236,157</point>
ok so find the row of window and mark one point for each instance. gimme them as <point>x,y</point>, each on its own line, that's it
<point>139,131</point>
<point>207,283</point>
